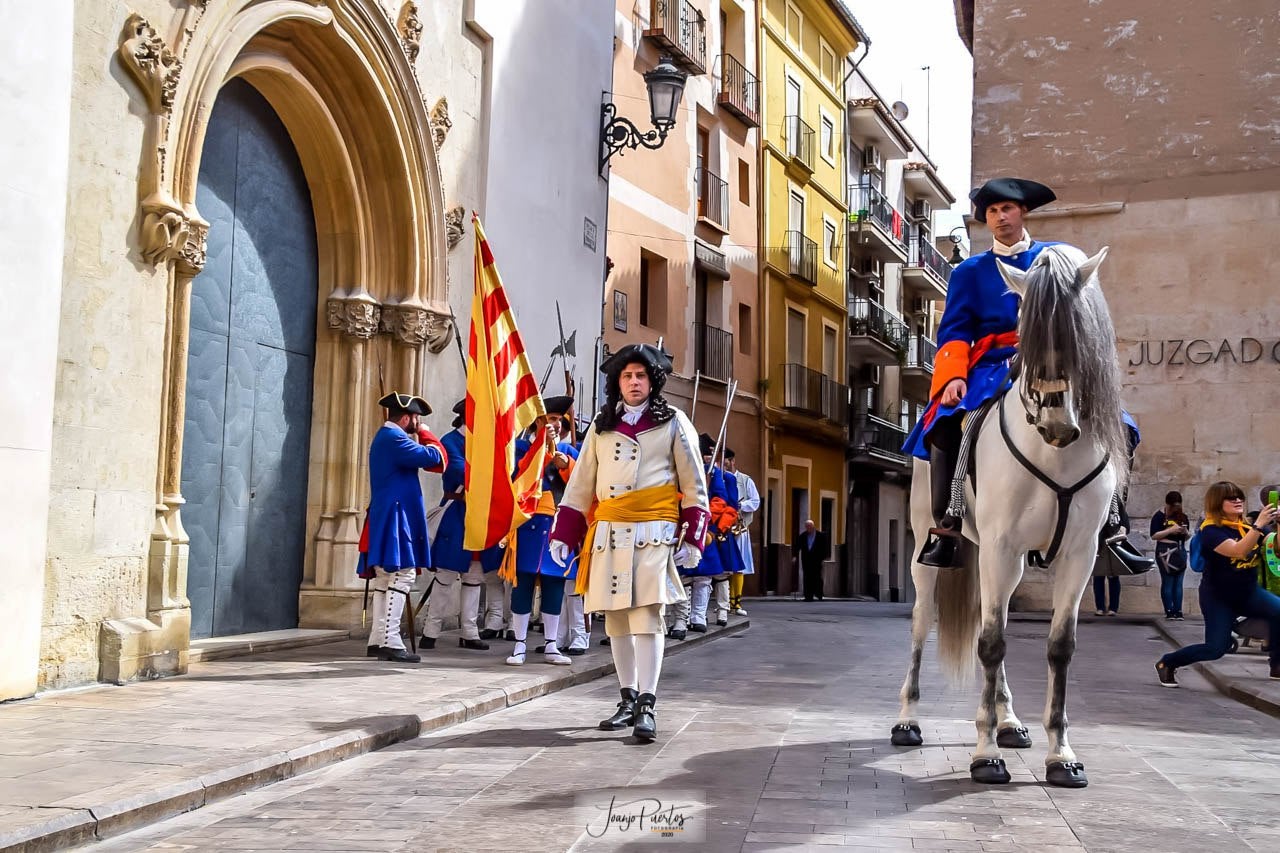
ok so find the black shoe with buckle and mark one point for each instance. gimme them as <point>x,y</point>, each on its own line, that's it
<point>626,714</point>
<point>1165,673</point>
<point>425,642</point>
<point>398,656</point>
<point>372,651</point>
<point>474,645</point>
<point>697,629</point>
<point>646,726</point>
<point>489,634</point>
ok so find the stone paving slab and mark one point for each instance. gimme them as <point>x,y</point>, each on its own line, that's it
<point>1244,676</point>
<point>85,764</point>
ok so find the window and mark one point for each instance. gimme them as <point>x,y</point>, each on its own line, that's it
<point>827,64</point>
<point>828,518</point>
<point>795,336</point>
<point>830,243</point>
<point>744,182</point>
<point>795,24</point>
<point>653,291</point>
<point>829,351</point>
<point>828,139</point>
<point>744,330</point>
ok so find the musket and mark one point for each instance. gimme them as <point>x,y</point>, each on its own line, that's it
<point>730,392</point>
<point>382,392</point>
<point>693,407</point>
<point>457,338</point>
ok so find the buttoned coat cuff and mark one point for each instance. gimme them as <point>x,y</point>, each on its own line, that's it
<point>697,518</point>
<point>570,527</point>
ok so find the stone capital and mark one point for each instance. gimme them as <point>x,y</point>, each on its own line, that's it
<point>150,62</point>
<point>165,229</point>
<point>417,325</point>
<point>357,316</point>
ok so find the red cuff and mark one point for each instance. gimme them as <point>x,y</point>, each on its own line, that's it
<point>570,527</point>
<point>696,517</point>
<point>951,362</point>
<point>427,439</point>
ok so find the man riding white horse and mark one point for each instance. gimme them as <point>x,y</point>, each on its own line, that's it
<point>976,339</point>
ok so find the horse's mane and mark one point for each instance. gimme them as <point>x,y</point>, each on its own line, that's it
<point>1065,332</point>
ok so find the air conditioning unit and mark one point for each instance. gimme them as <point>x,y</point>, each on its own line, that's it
<point>871,159</point>
<point>921,210</point>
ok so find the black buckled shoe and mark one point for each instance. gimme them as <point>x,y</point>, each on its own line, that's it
<point>489,634</point>
<point>372,651</point>
<point>697,629</point>
<point>398,656</point>
<point>942,549</point>
<point>427,643</point>
<point>677,633</point>
<point>474,645</point>
<point>646,726</point>
<point>572,652</point>
<point>626,713</point>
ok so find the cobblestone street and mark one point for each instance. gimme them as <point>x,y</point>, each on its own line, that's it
<point>785,728</point>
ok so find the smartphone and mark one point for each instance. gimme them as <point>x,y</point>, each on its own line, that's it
<point>1273,497</point>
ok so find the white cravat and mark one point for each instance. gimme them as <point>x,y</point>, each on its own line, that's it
<point>631,414</point>
<point>1016,249</point>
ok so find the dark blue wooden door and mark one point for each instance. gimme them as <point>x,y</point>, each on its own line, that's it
<point>249,374</point>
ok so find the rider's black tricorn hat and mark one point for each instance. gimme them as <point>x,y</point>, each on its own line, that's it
<point>658,361</point>
<point>559,405</point>
<point>1029,194</point>
<point>410,403</point>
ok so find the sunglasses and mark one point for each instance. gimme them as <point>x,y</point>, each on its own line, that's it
<point>1236,498</point>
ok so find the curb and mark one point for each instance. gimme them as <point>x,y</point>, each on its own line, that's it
<point>1225,685</point>
<point>68,827</point>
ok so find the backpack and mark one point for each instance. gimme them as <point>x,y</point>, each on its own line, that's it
<point>1195,553</point>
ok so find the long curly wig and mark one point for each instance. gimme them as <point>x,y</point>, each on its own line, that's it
<point>610,414</point>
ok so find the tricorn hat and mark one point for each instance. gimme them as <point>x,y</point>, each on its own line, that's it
<point>460,407</point>
<point>658,361</point>
<point>1029,194</point>
<point>559,405</point>
<point>706,444</point>
<point>410,403</point>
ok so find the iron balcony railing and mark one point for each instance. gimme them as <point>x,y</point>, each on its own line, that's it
<point>869,204</point>
<point>739,90</point>
<point>713,197</point>
<point>800,257</point>
<point>921,353</point>
<point>835,401</point>
<point>799,138</point>
<point>923,254</point>
<point>871,319</point>
<point>678,26</point>
<point>713,351</point>
<point>802,388</point>
<point>878,436</point>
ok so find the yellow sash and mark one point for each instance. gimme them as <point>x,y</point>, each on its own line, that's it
<point>656,503</point>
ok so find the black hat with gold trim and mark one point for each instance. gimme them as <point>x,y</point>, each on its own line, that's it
<point>411,404</point>
<point>1029,194</point>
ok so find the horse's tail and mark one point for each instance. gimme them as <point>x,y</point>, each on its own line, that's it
<point>959,603</point>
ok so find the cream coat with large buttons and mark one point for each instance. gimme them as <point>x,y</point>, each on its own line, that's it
<point>632,564</point>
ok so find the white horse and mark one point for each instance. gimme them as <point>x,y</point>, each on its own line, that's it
<point>1046,462</point>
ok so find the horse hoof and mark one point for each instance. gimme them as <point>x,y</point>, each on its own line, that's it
<point>1013,738</point>
<point>906,734</point>
<point>1066,774</point>
<point>989,771</point>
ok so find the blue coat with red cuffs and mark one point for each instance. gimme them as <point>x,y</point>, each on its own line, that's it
<point>976,338</point>
<point>447,551</point>
<point>395,535</point>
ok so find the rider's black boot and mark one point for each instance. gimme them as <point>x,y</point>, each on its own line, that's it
<point>941,549</point>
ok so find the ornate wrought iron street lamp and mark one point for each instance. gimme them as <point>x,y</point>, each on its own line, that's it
<point>666,88</point>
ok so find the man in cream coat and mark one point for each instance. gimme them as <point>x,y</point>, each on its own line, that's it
<point>640,461</point>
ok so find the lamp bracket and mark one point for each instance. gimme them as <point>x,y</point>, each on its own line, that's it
<point>618,133</point>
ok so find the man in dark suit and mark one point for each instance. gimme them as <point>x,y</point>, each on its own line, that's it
<point>813,548</point>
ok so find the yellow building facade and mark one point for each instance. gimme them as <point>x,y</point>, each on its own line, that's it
<point>804,47</point>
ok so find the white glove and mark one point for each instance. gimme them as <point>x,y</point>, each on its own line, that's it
<point>687,556</point>
<point>559,552</point>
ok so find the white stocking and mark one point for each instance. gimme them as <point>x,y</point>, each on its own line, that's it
<point>520,625</point>
<point>624,658</point>
<point>550,627</point>
<point>649,648</point>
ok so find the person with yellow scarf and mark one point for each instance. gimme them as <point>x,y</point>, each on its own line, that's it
<point>637,505</point>
<point>1231,549</point>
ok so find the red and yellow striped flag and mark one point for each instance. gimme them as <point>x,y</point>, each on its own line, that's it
<point>502,400</point>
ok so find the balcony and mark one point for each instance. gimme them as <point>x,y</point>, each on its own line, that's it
<point>875,225</point>
<point>678,28</point>
<point>713,198</point>
<point>927,272</point>
<point>877,441</point>
<point>875,335</point>
<point>713,351</point>
<point>806,390</point>
<point>798,258</point>
<point>799,146</point>
<point>739,90</point>
<point>917,368</point>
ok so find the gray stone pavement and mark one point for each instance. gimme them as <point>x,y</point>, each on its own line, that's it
<point>785,729</point>
<point>1244,676</point>
<point>81,764</point>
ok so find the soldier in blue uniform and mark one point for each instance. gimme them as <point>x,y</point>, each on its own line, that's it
<point>396,525</point>
<point>716,563</point>
<point>454,567</point>
<point>977,336</point>
<point>534,567</point>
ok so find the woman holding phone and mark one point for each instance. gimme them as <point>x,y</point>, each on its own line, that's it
<point>1170,530</point>
<point>1232,551</point>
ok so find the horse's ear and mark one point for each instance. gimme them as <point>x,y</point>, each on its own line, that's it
<point>1014,278</point>
<point>1090,266</point>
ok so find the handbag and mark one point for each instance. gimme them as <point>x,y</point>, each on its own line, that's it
<point>1171,558</point>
